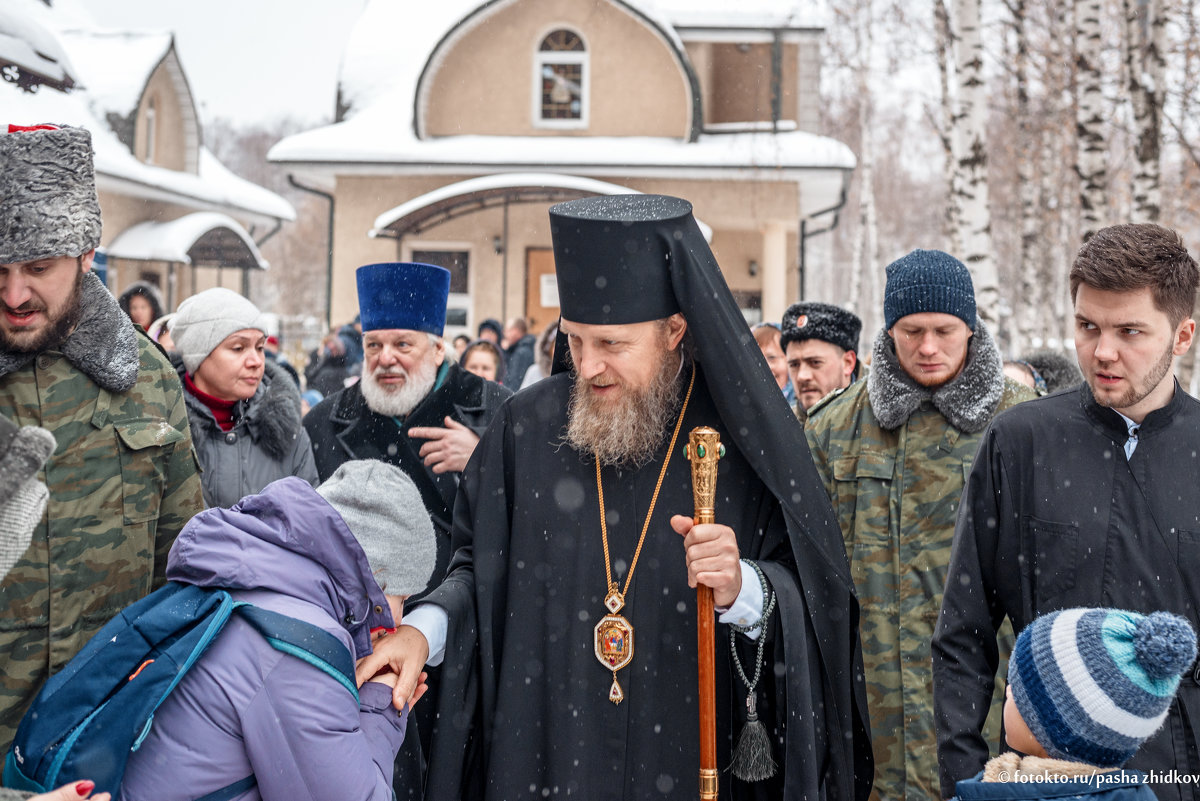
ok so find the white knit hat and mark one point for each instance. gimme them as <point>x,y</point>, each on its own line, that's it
<point>205,319</point>
<point>383,510</point>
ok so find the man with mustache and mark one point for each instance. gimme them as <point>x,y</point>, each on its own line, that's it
<point>566,628</point>
<point>412,408</point>
<point>1086,497</point>
<point>122,480</point>
<point>820,342</point>
<point>892,450</point>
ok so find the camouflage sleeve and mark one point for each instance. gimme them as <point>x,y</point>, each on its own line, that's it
<point>965,650</point>
<point>181,495</point>
<point>817,431</point>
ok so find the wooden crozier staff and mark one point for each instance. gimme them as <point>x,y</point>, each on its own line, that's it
<point>703,450</point>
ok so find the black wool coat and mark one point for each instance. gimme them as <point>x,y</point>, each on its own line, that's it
<point>1055,517</point>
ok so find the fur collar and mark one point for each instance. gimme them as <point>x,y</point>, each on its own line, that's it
<point>968,401</point>
<point>103,346</point>
<point>1010,765</point>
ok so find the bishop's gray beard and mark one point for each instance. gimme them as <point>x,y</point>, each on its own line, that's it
<point>397,402</point>
<point>630,430</point>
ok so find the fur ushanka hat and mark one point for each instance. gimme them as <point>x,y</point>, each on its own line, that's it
<point>48,202</point>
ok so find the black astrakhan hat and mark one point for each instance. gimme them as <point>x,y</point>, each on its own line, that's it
<point>612,255</point>
<point>823,321</point>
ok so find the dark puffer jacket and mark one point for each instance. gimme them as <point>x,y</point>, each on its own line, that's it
<point>267,441</point>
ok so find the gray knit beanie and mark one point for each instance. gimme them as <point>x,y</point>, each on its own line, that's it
<point>928,281</point>
<point>205,319</point>
<point>48,203</point>
<point>384,511</point>
<point>23,497</point>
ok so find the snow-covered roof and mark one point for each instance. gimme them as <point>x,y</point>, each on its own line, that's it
<point>112,68</point>
<point>26,42</point>
<point>379,80</point>
<point>744,14</point>
<point>372,138</point>
<point>117,170</point>
<point>117,64</point>
<point>171,241</point>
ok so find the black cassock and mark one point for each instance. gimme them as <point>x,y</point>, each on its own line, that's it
<point>524,709</point>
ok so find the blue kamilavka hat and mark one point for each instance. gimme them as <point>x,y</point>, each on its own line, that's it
<point>404,295</point>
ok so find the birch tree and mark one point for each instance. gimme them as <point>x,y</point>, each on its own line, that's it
<point>1092,152</point>
<point>943,121</point>
<point>866,242</point>
<point>970,126</point>
<point>1145,67</point>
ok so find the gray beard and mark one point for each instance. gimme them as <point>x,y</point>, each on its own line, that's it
<point>398,402</point>
<point>629,432</point>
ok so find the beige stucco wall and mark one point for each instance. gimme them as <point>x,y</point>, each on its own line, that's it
<point>170,141</point>
<point>484,82</point>
<point>736,210</point>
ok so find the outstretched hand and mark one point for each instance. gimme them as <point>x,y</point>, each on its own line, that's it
<point>448,449</point>
<point>403,655</point>
<point>72,792</point>
<point>711,552</point>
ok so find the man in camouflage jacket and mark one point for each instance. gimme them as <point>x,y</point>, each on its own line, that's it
<point>122,478</point>
<point>893,451</point>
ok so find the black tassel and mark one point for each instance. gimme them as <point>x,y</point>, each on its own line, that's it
<point>752,761</point>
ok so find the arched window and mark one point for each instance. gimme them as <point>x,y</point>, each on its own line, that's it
<point>561,65</point>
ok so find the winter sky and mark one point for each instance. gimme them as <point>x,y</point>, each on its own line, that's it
<point>250,60</point>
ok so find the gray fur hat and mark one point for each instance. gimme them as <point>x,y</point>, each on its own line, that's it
<point>206,318</point>
<point>384,511</point>
<point>1057,369</point>
<point>48,202</point>
<point>23,451</point>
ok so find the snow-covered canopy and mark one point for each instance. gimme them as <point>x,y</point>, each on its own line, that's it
<point>200,238</point>
<point>442,202</point>
<point>29,45</point>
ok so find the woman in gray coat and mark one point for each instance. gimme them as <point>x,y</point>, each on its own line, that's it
<point>244,412</point>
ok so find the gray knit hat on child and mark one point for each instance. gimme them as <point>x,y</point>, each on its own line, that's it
<point>48,202</point>
<point>205,319</point>
<point>384,511</point>
<point>23,497</point>
<point>1094,684</point>
<point>928,281</point>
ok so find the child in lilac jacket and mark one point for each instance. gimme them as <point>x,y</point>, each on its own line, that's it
<point>341,557</point>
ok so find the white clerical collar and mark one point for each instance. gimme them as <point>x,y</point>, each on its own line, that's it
<point>1131,443</point>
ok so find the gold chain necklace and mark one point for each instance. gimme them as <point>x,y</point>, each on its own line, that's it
<point>614,634</point>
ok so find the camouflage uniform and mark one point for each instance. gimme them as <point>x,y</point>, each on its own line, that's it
<point>896,493</point>
<point>122,483</point>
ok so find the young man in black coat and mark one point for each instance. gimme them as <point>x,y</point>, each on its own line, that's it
<point>1085,498</point>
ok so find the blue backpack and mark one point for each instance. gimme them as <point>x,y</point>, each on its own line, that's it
<point>89,717</point>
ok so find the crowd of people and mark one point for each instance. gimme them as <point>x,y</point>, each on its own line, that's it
<point>936,573</point>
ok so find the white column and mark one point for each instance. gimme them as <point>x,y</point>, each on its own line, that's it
<point>774,271</point>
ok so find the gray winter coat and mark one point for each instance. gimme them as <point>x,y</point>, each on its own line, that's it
<point>266,443</point>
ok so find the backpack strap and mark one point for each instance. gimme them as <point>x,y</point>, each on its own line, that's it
<point>231,791</point>
<point>309,643</point>
<point>304,641</point>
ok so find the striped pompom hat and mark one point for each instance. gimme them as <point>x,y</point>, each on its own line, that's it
<point>1094,684</point>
